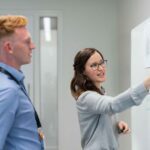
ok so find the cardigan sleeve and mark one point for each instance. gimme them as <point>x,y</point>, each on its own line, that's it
<point>93,102</point>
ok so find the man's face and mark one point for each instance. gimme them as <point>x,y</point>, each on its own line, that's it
<point>22,47</point>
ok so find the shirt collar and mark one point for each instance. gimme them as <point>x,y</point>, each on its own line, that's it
<point>17,74</point>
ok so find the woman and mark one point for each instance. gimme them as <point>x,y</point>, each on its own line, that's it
<point>96,111</point>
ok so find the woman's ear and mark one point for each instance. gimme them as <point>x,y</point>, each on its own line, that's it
<point>83,71</point>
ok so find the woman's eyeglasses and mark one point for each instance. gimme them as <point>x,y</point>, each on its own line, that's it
<point>95,66</point>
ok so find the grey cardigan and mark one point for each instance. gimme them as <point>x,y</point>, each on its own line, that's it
<point>96,115</point>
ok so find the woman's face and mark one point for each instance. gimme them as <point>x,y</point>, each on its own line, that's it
<point>95,69</point>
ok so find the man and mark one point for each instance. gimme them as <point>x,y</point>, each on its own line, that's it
<point>18,119</point>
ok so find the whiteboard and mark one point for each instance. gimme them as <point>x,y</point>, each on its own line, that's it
<point>140,68</point>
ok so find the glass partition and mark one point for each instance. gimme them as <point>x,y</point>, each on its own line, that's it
<point>48,79</point>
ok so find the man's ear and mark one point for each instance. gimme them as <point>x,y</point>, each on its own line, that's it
<point>8,47</point>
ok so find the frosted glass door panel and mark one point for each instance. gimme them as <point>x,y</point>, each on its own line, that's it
<point>48,62</point>
<point>140,68</point>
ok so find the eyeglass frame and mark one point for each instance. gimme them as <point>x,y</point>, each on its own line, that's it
<point>95,66</point>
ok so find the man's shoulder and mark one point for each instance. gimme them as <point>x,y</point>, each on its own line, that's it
<point>7,82</point>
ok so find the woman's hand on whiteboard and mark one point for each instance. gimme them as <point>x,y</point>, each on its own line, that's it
<point>147,83</point>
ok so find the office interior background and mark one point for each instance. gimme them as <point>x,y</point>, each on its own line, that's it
<point>102,24</point>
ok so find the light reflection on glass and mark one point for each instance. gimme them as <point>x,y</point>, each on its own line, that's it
<point>48,62</point>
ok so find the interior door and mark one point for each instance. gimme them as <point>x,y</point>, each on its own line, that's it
<point>41,75</point>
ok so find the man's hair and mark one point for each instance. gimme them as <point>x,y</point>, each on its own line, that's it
<point>9,23</point>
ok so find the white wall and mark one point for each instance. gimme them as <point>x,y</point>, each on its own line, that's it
<point>86,23</point>
<point>131,13</point>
